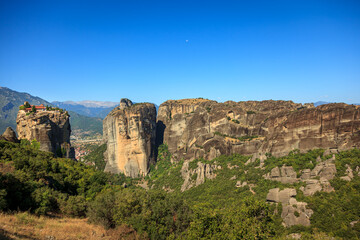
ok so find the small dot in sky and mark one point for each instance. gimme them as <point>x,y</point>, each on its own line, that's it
<point>187,41</point>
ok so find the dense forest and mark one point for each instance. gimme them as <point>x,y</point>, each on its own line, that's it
<point>35,181</point>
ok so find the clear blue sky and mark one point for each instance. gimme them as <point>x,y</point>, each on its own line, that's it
<point>157,50</point>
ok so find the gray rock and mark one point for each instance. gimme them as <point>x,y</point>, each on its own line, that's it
<point>202,172</point>
<point>239,184</point>
<point>283,196</point>
<point>349,174</point>
<point>314,185</point>
<point>325,170</point>
<point>124,103</point>
<point>306,174</point>
<point>285,174</point>
<point>294,212</point>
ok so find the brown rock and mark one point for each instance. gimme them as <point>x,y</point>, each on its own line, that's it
<point>50,128</point>
<point>231,127</point>
<point>9,135</point>
<point>129,131</point>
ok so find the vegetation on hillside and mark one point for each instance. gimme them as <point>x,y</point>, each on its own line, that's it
<point>35,181</point>
<point>96,156</point>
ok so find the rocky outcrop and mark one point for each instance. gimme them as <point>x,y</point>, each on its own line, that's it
<point>50,128</point>
<point>9,135</point>
<point>285,174</point>
<point>196,176</point>
<point>129,131</point>
<point>293,212</point>
<point>195,128</point>
<point>349,174</point>
<point>316,180</point>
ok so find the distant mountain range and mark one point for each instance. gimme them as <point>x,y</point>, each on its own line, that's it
<point>318,103</point>
<point>10,101</point>
<point>88,108</point>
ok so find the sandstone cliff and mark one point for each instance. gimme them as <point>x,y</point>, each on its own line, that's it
<point>129,131</point>
<point>195,128</point>
<point>50,128</point>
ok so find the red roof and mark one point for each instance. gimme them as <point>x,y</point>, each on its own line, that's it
<point>36,107</point>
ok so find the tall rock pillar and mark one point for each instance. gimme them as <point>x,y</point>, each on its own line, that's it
<point>129,131</point>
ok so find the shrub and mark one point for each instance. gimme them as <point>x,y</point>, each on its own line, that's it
<point>101,210</point>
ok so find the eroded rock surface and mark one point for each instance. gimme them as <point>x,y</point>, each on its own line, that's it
<point>195,128</point>
<point>293,212</point>
<point>50,128</point>
<point>9,135</point>
<point>197,176</point>
<point>285,174</point>
<point>129,131</point>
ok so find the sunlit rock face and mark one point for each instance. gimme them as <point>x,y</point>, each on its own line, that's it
<point>129,131</point>
<point>195,128</point>
<point>51,128</point>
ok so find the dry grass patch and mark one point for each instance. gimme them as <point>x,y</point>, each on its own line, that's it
<point>27,226</point>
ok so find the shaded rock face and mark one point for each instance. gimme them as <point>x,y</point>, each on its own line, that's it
<point>9,135</point>
<point>124,103</point>
<point>195,128</point>
<point>50,128</point>
<point>129,131</point>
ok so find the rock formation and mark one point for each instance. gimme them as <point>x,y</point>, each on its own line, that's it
<point>293,212</point>
<point>195,128</point>
<point>9,135</point>
<point>50,128</point>
<point>316,180</point>
<point>285,174</point>
<point>129,131</point>
<point>201,172</point>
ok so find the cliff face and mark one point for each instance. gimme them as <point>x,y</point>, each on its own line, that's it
<point>50,128</point>
<point>195,128</point>
<point>129,131</point>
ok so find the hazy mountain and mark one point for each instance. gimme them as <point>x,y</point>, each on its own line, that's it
<point>88,103</point>
<point>10,101</point>
<point>88,108</point>
<point>318,103</point>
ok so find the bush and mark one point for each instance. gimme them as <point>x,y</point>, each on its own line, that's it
<point>74,206</point>
<point>101,210</point>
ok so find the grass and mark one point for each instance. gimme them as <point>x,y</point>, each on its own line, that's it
<point>26,226</point>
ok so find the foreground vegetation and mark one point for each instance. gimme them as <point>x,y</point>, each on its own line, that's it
<point>37,184</point>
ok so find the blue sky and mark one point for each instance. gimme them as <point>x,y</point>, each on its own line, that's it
<point>153,51</point>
